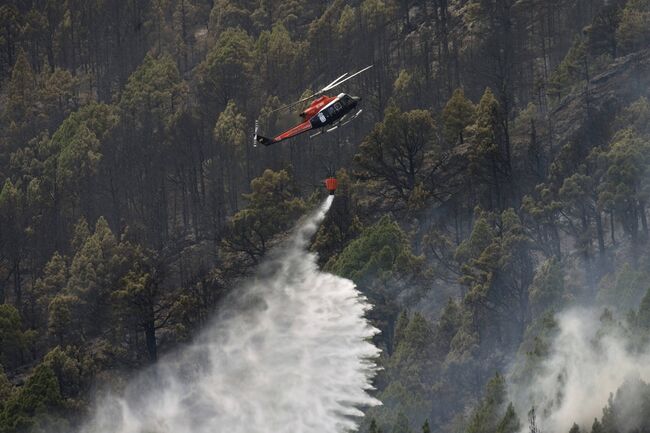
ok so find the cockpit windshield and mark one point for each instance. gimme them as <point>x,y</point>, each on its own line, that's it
<point>334,108</point>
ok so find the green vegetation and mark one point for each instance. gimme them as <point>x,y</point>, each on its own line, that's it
<point>499,173</point>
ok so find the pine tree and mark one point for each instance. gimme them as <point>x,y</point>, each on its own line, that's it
<point>625,187</point>
<point>53,281</point>
<point>272,208</point>
<point>458,114</point>
<point>399,154</point>
<point>633,31</point>
<point>279,57</point>
<point>6,388</point>
<point>532,421</point>
<point>574,428</point>
<point>547,287</point>
<point>413,356</point>
<point>486,416</point>
<point>381,251</point>
<point>373,427</point>
<point>401,424</point>
<point>229,132</point>
<point>596,427</point>
<point>39,395</point>
<point>643,316</point>
<point>12,340</point>
<point>510,422</point>
<point>497,270</point>
<point>12,240</point>
<point>226,72</point>
<point>20,113</point>
<point>490,164</point>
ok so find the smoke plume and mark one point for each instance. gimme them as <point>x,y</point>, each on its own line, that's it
<point>588,361</point>
<point>289,353</point>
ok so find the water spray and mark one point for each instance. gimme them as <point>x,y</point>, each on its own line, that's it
<point>289,352</point>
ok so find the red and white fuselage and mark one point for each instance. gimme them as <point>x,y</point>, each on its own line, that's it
<point>323,111</point>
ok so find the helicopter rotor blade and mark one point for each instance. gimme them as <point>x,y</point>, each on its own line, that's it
<point>293,104</point>
<point>336,83</point>
<point>330,86</point>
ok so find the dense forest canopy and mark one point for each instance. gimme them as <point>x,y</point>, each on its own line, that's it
<point>498,177</point>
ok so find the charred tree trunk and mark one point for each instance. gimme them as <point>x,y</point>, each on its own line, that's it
<point>600,232</point>
<point>150,339</point>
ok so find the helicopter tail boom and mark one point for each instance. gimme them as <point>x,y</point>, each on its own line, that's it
<point>260,138</point>
<point>264,140</point>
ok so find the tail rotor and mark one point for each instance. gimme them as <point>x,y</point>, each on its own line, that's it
<point>257,127</point>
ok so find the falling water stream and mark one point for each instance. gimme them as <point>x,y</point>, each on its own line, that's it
<point>288,353</point>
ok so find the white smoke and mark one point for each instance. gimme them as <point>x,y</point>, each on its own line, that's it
<point>587,362</point>
<point>290,353</point>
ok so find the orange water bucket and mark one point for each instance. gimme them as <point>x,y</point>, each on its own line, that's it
<point>331,184</point>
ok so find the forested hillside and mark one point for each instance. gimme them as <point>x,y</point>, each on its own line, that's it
<point>498,179</point>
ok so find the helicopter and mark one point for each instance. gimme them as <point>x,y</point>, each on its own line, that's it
<point>325,113</point>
